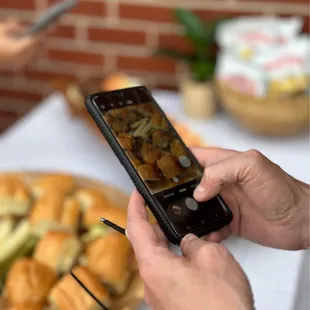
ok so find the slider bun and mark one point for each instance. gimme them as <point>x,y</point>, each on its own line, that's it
<point>28,282</point>
<point>58,250</point>
<point>67,294</point>
<point>88,197</point>
<point>116,81</point>
<point>14,195</point>
<point>93,214</point>
<point>27,306</point>
<point>109,258</point>
<point>61,183</point>
<point>54,211</point>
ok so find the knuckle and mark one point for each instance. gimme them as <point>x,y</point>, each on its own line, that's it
<point>254,154</point>
<point>212,251</point>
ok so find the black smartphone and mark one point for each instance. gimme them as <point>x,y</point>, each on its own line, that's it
<point>50,16</point>
<point>160,165</point>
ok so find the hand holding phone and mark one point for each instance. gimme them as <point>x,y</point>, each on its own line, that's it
<point>162,168</point>
<point>50,16</point>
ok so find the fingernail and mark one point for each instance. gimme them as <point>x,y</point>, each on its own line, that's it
<point>189,238</point>
<point>126,233</point>
<point>200,189</point>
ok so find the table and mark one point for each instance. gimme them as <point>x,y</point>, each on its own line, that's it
<point>50,139</point>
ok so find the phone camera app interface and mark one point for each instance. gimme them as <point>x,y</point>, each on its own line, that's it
<point>151,144</point>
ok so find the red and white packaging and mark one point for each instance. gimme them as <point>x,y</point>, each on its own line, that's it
<point>247,36</point>
<point>286,68</point>
<point>239,75</point>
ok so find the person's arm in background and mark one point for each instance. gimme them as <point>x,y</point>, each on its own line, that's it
<point>269,206</point>
<point>16,52</point>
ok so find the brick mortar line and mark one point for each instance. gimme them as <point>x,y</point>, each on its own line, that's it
<point>220,5</point>
<point>21,14</point>
<point>130,25</point>
<point>100,48</point>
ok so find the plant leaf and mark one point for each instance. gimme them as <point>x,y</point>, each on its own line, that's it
<point>194,27</point>
<point>211,29</point>
<point>202,70</point>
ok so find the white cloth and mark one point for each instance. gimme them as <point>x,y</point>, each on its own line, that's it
<point>49,139</point>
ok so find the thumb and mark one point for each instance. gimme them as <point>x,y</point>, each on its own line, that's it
<point>237,168</point>
<point>190,245</point>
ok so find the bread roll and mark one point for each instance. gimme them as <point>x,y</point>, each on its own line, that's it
<point>67,294</point>
<point>54,211</point>
<point>27,306</point>
<point>93,214</point>
<point>15,197</point>
<point>60,183</point>
<point>58,250</point>
<point>88,197</point>
<point>169,166</point>
<point>109,257</point>
<point>28,282</point>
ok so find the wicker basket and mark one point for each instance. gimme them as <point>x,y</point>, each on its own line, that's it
<point>267,116</point>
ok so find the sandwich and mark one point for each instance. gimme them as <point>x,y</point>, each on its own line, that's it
<point>88,197</point>
<point>15,196</point>
<point>109,258</point>
<point>58,250</point>
<point>54,211</point>
<point>160,138</point>
<point>169,167</point>
<point>148,172</point>
<point>28,282</point>
<point>177,149</point>
<point>114,214</point>
<point>126,140</point>
<point>67,294</point>
<point>27,306</point>
<point>150,153</point>
<point>60,183</point>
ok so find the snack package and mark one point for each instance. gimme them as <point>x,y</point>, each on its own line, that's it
<point>286,68</point>
<point>239,75</point>
<point>247,36</point>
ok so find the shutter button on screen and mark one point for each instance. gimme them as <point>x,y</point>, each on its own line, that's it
<point>191,204</point>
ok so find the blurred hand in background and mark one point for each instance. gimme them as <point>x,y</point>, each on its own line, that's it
<point>17,51</point>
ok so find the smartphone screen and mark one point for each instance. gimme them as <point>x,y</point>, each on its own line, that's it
<point>163,162</point>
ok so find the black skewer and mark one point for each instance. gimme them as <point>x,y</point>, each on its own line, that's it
<point>113,225</point>
<point>120,230</point>
<point>88,291</point>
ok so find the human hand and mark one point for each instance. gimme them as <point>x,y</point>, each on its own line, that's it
<point>15,51</point>
<point>269,206</point>
<point>206,277</point>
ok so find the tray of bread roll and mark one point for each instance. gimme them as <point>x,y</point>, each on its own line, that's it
<point>49,225</point>
<point>75,91</point>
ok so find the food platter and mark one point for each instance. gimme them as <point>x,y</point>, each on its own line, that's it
<point>49,223</point>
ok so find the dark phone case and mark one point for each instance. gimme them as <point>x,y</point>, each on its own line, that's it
<point>165,225</point>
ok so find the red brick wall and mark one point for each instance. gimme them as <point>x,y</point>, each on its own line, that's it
<point>100,36</point>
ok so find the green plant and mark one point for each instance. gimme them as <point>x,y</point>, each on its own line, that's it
<point>202,60</point>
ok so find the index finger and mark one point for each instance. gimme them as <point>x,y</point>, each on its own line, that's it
<point>140,231</point>
<point>208,156</point>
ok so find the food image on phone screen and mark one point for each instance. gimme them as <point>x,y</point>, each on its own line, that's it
<point>152,146</point>
<point>166,166</point>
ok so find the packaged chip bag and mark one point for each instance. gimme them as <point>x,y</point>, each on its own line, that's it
<point>240,75</point>
<point>286,68</point>
<point>248,36</point>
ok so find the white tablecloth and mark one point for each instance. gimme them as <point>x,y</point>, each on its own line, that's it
<point>48,138</point>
